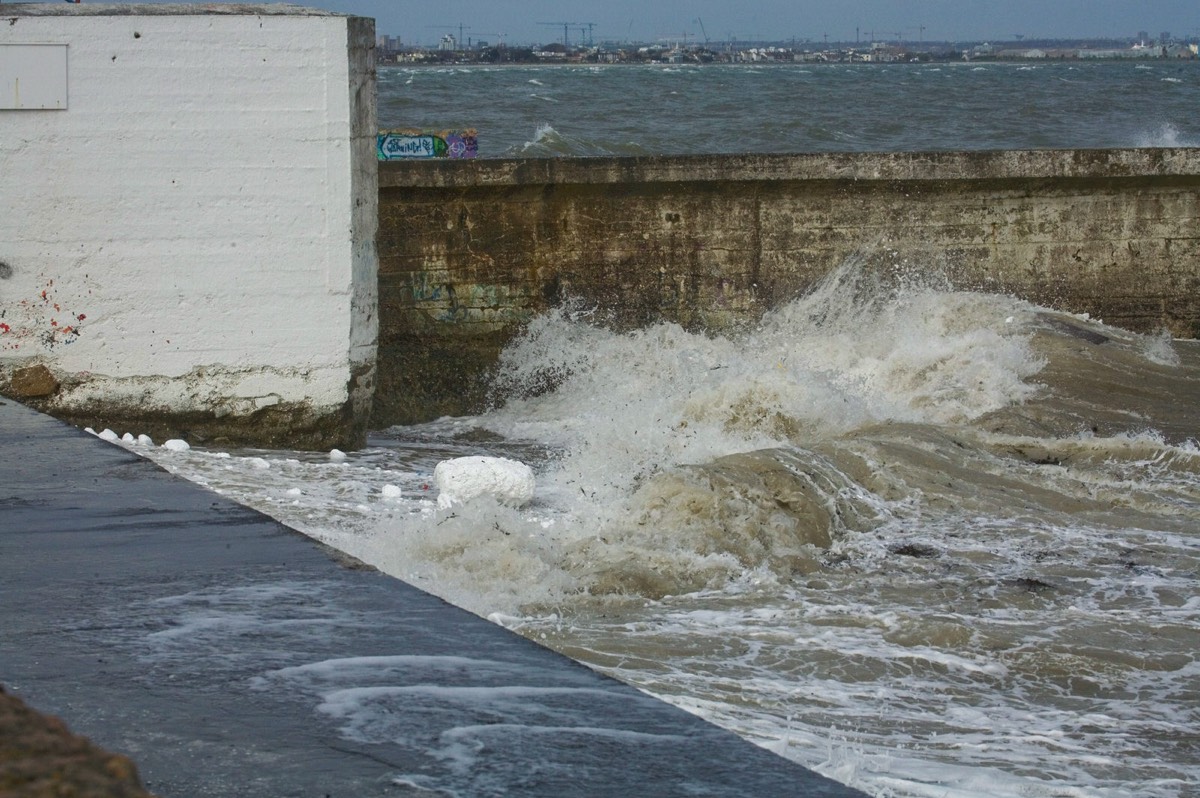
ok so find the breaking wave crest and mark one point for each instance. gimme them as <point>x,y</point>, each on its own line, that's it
<point>549,143</point>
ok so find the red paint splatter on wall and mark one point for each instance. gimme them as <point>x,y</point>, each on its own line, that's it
<point>30,322</point>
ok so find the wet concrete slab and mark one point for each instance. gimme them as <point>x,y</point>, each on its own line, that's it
<point>231,656</point>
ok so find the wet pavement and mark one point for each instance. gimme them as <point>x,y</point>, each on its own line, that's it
<point>232,656</point>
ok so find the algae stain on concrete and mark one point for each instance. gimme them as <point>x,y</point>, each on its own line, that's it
<point>469,253</point>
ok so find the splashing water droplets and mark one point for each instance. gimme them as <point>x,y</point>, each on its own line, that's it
<point>852,353</point>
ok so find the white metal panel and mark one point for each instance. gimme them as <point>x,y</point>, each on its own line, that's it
<point>33,76</point>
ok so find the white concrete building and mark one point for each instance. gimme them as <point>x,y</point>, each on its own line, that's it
<point>188,207</point>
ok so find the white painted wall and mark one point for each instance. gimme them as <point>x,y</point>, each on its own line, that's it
<point>196,230</point>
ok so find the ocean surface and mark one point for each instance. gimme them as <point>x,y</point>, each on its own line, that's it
<point>924,541</point>
<point>530,111</point>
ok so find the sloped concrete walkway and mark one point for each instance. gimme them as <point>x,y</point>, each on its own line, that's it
<point>231,656</point>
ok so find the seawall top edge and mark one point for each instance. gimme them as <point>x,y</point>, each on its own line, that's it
<point>1100,164</point>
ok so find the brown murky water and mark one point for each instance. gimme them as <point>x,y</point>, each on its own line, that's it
<point>929,543</point>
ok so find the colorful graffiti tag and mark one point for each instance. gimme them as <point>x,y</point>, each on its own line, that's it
<point>394,145</point>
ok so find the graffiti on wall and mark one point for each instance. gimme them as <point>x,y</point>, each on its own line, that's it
<point>393,145</point>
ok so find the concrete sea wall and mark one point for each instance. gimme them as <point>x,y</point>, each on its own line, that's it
<point>469,251</point>
<point>187,219</point>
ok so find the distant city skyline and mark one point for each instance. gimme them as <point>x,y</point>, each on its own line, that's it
<point>542,21</point>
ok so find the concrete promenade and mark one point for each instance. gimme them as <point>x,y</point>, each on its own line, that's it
<point>229,655</point>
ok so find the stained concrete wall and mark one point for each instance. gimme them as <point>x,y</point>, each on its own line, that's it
<point>187,248</point>
<point>469,251</point>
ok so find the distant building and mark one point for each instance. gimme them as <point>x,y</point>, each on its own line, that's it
<point>1022,54</point>
<point>1137,51</point>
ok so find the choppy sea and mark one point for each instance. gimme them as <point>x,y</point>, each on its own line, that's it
<point>927,542</point>
<point>532,111</point>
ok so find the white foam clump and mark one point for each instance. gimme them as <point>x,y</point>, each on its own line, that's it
<point>392,492</point>
<point>128,438</point>
<point>176,445</point>
<point>258,463</point>
<point>337,456</point>
<point>463,478</point>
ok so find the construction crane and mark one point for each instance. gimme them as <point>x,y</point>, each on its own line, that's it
<point>703,32</point>
<point>566,27</point>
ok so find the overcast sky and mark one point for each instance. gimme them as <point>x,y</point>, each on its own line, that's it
<point>519,21</point>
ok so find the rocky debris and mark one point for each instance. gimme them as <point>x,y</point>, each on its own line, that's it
<point>32,382</point>
<point>41,758</point>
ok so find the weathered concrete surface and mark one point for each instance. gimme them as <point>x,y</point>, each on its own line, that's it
<point>230,656</point>
<point>469,251</point>
<point>188,244</point>
<point>161,9</point>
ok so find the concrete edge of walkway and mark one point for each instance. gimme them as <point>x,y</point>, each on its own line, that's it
<point>229,654</point>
